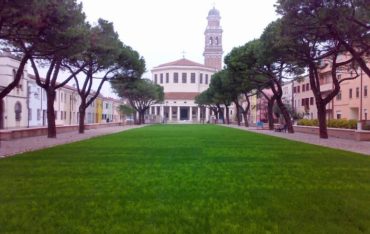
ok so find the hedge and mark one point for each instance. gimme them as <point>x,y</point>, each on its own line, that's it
<point>332,123</point>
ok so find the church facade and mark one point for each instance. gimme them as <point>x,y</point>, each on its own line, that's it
<point>183,79</point>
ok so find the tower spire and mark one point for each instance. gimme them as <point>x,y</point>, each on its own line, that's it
<point>213,40</point>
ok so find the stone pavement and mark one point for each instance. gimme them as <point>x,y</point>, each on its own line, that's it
<point>9,148</point>
<point>362,147</point>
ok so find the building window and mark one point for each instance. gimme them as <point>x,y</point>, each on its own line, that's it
<point>357,92</point>
<point>175,77</point>
<point>298,89</point>
<point>155,79</point>
<point>201,78</point>
<point>294,89</point>
<point>29,114</point>
<point>192,78</point>
<point>18,111</point>
<point>161,78</point>
<point>38,114</point>
<point>365,91</point>
<point>307,87</point>
<point>19,86</point>
<point>167,77</point>
<point>206,79</point>
<point>339,114</point>
<point>303,87</point>
<point>339,96</point>
<point>350,93</point>
<point>184,78</point>
<point>311,101</point>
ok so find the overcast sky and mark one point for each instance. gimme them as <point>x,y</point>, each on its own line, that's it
<point>161,30</point>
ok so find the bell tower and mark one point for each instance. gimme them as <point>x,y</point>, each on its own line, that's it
<point>213,41</point>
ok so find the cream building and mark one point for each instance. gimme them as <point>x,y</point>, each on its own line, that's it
<point>184,79</point>
<point>14,113</point>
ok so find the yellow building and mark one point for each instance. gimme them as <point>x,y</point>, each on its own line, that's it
<point>99,109</point>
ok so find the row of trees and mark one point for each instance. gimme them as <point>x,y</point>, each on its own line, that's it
<point>308,35</point>
<point>54,35</point>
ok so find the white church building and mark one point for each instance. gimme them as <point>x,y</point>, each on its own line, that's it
<point>182,80</point>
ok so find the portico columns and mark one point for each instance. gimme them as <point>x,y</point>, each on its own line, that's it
<point>170,113</point>
<point>198,109</point>
<point>178,113</point>
<point>162,112</point>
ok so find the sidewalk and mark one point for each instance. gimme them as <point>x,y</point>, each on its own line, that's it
<point>362,147</point>
<point>9,148</point>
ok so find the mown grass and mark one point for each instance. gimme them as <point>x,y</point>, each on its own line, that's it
<point>185,179</point>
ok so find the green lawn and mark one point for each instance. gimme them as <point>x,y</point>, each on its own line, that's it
<point>185,179</point>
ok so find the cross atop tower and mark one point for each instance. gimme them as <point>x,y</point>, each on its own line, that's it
<point>183,53</point>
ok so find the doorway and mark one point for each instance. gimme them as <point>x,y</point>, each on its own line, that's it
<point>184,113</point>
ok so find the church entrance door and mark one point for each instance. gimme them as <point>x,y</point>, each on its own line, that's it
<point>184,113</point>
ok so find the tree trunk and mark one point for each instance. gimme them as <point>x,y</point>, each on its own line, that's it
<point>286,115</point>
<point>237,111</point>
<point>18,77</point>
<point>141,117</point>
<point>270,112</point>
<point>246,110</point>
<point>245,116</point>
<point>227,115</point>
<point>220,113</point>
<point>52,131</point>
<point>321,115</point>
<point>81,126</point>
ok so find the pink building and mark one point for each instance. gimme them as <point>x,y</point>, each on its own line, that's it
<point>352,102</point>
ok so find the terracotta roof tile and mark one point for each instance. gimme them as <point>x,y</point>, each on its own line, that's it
<point>182,62</point>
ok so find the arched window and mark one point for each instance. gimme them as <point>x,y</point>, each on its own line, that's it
<point>211,41</point>
<point>217,41</point>
<point>19,86</point>
<point>18,111</point>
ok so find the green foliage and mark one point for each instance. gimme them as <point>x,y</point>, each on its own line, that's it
<point>308,122</point>
<point>185,179</point>
<point>141,93</point>
<point>332,123</point>
<point>366,127</point>
<point>126,110</point>
<point>222,88</point>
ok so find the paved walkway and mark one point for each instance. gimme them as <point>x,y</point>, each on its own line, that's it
<point>9,148</point>
<point>362,147</point>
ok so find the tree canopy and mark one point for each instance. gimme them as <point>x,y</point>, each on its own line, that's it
<point>141,93</point>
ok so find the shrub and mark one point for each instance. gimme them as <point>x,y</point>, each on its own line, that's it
<point>342,123</point>
<point>352,124</point>
<point>366,127</point>
<point>332,123</point>
<point>308,122</point>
